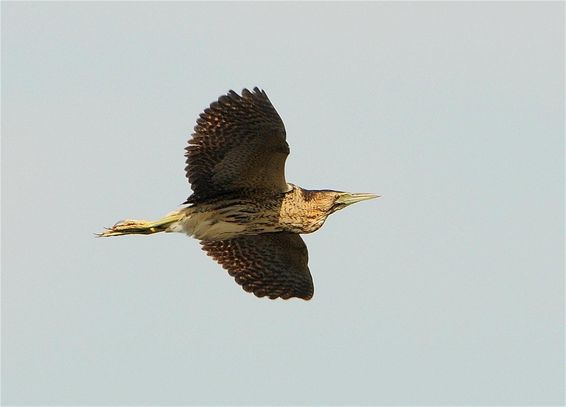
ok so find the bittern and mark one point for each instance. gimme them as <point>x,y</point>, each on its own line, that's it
<point>247,217</point>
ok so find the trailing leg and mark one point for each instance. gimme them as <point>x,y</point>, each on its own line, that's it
<point>142,227</point>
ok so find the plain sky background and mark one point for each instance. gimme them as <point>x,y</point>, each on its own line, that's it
<point>447,290</point>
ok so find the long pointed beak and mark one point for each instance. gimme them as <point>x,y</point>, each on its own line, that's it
<point>348,199</point>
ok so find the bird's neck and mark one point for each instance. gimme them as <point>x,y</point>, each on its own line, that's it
<point>301,210</point>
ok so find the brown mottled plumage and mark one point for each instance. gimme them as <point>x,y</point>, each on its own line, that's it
<point>246,215</point>
<point>270,264</point>
<point>238,144</point>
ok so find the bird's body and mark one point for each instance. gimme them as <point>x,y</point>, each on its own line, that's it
<point>246,215</point>
<point>295,211</point>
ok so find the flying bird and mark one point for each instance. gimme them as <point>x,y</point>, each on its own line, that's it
<point>246,215</point>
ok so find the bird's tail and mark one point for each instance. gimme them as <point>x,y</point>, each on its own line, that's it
<point>144,227</point>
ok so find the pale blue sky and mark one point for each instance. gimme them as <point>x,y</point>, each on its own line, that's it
<point>447,290</point>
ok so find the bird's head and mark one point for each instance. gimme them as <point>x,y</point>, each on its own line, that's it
<point>344,199</point>
<point>328,201</point>
<point>317,205</point>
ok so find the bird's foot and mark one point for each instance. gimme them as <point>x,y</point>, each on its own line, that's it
<point>143,227</point>
<point>129,227</point>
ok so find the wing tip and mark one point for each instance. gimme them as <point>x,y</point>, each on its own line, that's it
<point>233,96</point>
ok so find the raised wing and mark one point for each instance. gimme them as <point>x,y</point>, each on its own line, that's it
<point>238,144</point>
<point>270,264</point>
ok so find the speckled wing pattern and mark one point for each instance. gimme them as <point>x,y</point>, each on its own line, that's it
<point>270,264</point>
<point>238,144</point>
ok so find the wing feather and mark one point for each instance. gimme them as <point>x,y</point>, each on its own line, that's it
<point>238,144</point>
<point>273,265</point>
